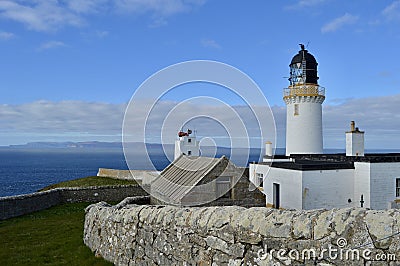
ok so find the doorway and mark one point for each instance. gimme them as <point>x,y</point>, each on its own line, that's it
<point>276,196</point>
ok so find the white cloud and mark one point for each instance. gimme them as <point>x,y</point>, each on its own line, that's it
<point>392,11</point>
<point>88,6</point>
<point>306,4</point>
<point>51,45</point>
<point>39,15</point>
<point>209,43</point>
<point>101,119</point>
<point>339,22</point>
<point>6,35</point>
<point>60,117</point>
<point>51,15</point>
<point>157,7</point>
<point>377,116</point>
<point>159,10</point>
<point>102,33</point>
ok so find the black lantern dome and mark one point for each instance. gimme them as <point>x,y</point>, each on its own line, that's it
<point>303,68</point>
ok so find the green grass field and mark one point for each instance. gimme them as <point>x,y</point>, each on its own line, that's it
<point>90,182</point>
<point>48,237</point>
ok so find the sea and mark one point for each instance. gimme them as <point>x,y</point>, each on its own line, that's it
<point>24,171</point>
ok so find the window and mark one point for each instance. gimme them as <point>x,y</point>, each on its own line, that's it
<point>397,187</point>
<point>189,152</point>
<point>224,187</point>
<point>260,178</point>
<point>189,140</point>
<point>296,109</point>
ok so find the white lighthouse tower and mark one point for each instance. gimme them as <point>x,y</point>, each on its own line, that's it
<point>304,98</point>
<point>186,144</point>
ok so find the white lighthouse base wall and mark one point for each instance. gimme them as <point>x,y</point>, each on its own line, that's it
<point>376,182</point>
<point>310,189</point>
<point>328,189</point>
<point>304,126</point>
<point>362,182</point>
<point>383,184</point>
<point>290,186</point>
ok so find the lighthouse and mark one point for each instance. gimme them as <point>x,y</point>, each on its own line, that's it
<point>304,98</point>
<point>186,144</point>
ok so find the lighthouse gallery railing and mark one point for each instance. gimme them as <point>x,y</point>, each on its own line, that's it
<point>304,90</point>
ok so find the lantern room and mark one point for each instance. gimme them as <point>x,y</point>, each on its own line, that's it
<point>303,68</point>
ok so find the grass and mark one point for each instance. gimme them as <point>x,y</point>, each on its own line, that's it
<point>90,182</point>
<point>52,236</point>
<point>48,237</point>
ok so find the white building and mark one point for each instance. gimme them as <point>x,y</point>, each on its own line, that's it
<point>186,144</point>
<point>308,179</point>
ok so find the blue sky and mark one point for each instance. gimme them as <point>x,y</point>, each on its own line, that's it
<point>68,68</point>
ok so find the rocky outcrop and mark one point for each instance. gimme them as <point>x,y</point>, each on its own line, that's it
<point>129,234</point>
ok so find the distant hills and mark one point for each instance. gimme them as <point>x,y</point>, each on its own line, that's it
<point>134,145</point>
<point>68,144</point>
<point>138,146</point>
<point>103,145</point>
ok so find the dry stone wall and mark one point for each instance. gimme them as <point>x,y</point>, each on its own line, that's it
<point>115,173</point>
<point>23,204</point>
<point>130,234</point>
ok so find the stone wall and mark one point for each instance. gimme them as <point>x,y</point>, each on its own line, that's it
<point>115,173</point>
<point>23,204</point>
<point>129,234</point>
<point>142,176</point>
<point>96,194</point>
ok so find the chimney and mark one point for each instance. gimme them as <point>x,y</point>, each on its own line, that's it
<point>354,141</point>
<point>268,148</point>
<point>352,126</point>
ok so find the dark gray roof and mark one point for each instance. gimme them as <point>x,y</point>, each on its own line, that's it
<point>313,165</point>
<point>309,162</point>
<point>177,179</point>
<point>303,55</point>
<point>276,156</point>
<point>341,157</point>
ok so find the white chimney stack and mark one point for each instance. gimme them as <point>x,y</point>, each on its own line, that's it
<point>354,141</point>
<point>268,148</point>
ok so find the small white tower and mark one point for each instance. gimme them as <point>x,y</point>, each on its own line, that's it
<point>186,144</point>
<point>304,98</point>
<point>354,141</point>
<point>268,148</point>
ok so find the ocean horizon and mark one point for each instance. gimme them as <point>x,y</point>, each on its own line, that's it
<point>26,170</point>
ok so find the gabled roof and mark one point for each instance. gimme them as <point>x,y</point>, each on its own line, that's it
<point>177,179</point>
